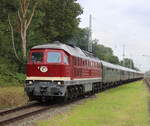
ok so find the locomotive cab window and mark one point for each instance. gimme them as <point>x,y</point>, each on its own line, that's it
<point>53,57</point>
<point>37,57</point>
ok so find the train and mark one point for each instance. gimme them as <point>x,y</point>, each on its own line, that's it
<point>57,70</point>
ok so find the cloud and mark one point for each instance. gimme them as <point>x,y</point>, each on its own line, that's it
<point>118,22</point>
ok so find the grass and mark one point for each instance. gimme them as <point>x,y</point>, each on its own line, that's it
<point>12,96</point>
<point>126,105</point>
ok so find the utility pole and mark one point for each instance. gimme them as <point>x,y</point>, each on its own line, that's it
<point>90,34</point>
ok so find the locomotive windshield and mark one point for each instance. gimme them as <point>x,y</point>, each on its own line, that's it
<point>54,57</point>
<point>37,57</point>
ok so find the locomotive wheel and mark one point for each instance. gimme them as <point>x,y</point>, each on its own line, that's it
<point>74,92</point>
<point>66,97</point>
<point>30,98</point>
<point>70,93</point>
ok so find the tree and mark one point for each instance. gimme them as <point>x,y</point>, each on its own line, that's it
<point>60,20</point>
<point>80,38</point>
<point>50,18</point>
<point>104,53</point>
<point>127,63</point>
<point>24,20</point>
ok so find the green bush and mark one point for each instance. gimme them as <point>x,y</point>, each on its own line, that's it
<point>9,74</point>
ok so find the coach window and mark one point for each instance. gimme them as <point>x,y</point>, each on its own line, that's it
<point>54,57</point>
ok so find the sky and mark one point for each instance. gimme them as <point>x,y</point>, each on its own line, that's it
<point>121,22</point>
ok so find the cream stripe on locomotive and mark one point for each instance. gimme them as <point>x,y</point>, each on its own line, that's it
<point>59,78</point>
<point>48,78</point>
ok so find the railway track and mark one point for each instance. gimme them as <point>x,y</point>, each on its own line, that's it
<point>16,114</point>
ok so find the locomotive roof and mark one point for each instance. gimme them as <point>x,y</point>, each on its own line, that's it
<point>72,50</point>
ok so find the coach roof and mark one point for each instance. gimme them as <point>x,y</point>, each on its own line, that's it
<point>118,67</point>
<point>110,65</point>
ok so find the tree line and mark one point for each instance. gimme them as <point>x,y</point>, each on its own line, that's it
<point>26,23</point>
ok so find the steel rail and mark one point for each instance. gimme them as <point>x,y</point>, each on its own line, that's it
<point>23,116</point>
<point>18,108</point>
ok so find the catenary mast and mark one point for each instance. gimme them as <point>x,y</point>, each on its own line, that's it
<point>90,34</point>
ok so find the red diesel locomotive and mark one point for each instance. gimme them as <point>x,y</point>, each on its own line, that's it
<point>59,70</point>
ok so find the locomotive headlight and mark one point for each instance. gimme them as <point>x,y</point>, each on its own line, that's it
<point>60,83</point>
<point>43,69</point>
<point>30,82</point>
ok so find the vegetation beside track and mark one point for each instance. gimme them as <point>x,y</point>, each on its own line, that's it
<point>126,105</point>
<point>12,96</point>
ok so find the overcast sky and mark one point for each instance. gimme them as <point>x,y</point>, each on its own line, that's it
<point>121,22</point>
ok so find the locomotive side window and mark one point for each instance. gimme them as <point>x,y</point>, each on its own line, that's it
<point>74,59</point>
<point>53,57</point>
<point>37,57</point>
<point>66,59</point>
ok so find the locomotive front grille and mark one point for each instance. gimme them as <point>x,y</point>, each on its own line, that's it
<point>44,88</point>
